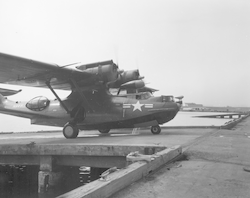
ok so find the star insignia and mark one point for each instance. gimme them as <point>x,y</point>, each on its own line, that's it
<point>137,106</point>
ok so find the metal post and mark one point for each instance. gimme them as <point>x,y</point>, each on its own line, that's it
<point>58,98</point>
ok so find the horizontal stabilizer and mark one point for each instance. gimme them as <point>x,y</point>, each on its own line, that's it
<point>8,92</point>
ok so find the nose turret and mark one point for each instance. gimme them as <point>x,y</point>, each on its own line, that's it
<point>179,103</point>
<point>167,98</point>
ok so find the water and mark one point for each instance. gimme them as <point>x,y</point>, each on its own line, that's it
<point>184,118</point>
<point>22,181</point>
<point>18,181</point>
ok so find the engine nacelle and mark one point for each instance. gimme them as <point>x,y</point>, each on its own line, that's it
<point>135,84</point>
<point>130,75</point>
<point>126,76</point>
<point>106,71</point>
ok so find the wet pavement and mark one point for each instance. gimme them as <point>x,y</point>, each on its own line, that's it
<point>214,165</point>
<point>168,137</point>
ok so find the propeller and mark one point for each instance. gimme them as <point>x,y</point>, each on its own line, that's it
<point>119,71</point>
<point>118,76</point>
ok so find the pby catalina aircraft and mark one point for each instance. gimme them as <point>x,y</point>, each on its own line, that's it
<point>91,104</point>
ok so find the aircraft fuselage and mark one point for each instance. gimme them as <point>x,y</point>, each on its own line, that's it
<point>110,112</point>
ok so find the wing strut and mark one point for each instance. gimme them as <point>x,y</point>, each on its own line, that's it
<point>58,98</point>
<point>85,101</point>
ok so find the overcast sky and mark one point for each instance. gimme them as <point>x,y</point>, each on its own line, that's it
<point>199,49</point>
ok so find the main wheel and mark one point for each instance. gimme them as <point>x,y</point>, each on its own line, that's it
<point>156,129</point>
<point>104,130</point>
<point>70,131</point>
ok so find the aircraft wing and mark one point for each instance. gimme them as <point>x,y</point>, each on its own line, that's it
<point>22,71</point>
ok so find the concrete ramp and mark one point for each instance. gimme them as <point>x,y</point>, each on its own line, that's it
<point>119,179</point>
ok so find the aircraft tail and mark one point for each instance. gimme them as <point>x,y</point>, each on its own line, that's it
<point>8,92</point>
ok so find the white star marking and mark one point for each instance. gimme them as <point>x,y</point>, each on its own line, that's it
<point>137,106</point>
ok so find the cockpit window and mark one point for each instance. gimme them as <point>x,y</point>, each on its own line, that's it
<point>38,104</point>
<point>144,96</point>
<point>167,99</point>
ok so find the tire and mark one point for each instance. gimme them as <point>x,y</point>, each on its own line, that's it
<point>70,131</point>
<point>156,129</point>
<point>104,131</point>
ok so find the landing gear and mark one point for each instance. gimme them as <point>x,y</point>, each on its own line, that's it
<point>70,131</point>
<point>77,114</point>
<point>156,129</point>
<point>104,130</point>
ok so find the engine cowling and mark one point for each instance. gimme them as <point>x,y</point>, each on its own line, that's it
<point>125,77</point>
<point>106,71</point>
<point>135,84</point>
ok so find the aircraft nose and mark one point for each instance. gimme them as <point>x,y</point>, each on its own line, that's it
<point>179,104</point>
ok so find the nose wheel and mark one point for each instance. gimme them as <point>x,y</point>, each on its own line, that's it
<point>156,129</point>
<point>70,131</point>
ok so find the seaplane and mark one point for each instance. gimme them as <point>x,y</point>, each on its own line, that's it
<point>101,96</point>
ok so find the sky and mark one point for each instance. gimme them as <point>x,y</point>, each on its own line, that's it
<point>198,49</point>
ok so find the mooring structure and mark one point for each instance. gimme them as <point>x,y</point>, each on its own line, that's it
<point>52,157</point>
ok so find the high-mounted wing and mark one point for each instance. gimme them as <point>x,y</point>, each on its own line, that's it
<point>22,71</point>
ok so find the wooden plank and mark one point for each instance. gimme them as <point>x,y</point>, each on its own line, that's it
<point>123,177</point>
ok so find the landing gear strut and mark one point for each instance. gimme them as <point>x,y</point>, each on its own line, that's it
<point>70,131</point>
<point>156,129</point>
